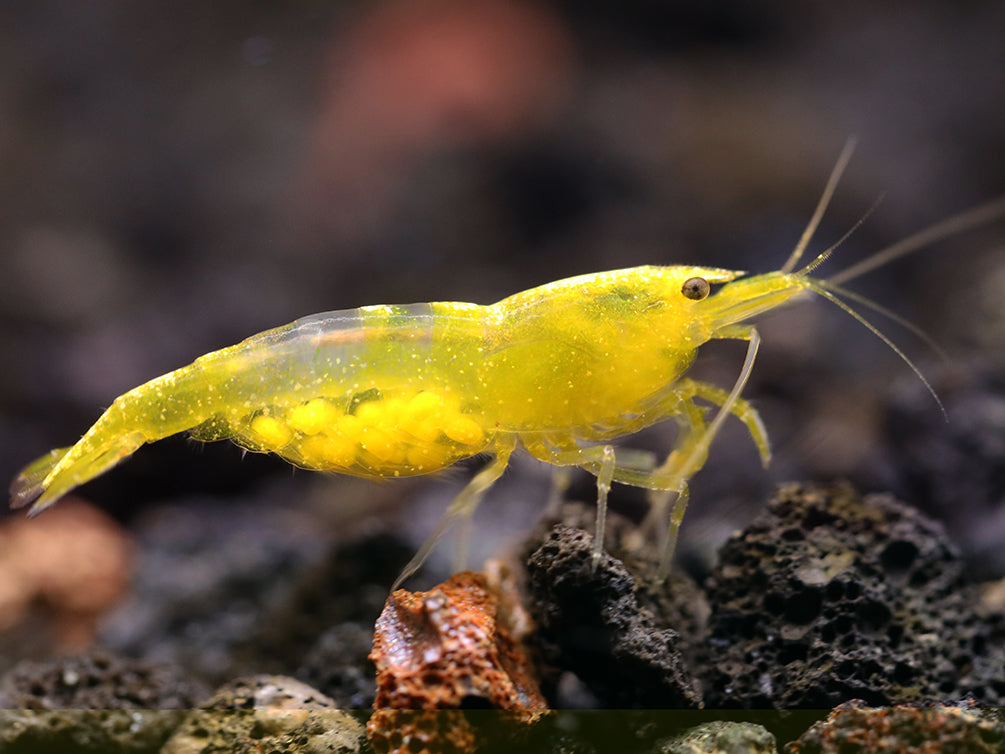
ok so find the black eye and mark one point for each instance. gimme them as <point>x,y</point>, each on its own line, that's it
<point>695,288</point>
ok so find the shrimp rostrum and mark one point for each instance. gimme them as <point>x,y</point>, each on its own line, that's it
<point>562,370</point>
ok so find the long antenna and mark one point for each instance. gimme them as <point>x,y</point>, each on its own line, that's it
<point>824,255</point>
<point>971,218</point>
<point>818,213</point>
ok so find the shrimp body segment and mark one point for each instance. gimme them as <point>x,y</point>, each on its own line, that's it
<point>377,391</point>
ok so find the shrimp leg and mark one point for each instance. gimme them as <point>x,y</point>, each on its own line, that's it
<point>607,464</point>
<point>690,454</point>
<point>697,440</point>
<point>638,468</point>
<point>461,510</point>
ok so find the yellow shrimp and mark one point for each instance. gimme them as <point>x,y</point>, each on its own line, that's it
<point>562,370</point>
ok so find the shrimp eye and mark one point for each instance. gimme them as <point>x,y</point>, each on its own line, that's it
<point>695,288</point>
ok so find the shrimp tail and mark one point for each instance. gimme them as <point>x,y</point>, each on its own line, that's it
<point>29,484</point>
<point>144,414</point>
<point>214,398</point>
<point>47,479</point>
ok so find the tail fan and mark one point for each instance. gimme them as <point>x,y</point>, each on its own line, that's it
<point>30,483</point>
<point>53,475</point>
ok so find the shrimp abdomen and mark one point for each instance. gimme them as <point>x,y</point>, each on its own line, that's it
<point>380,391</point>
<point>375,392</point>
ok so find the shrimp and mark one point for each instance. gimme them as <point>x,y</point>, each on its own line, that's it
<point>562,370</point>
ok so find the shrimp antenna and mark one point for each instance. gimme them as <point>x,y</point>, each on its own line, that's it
<point>971,218</point>
<point>834,293</point>
<point>825,199</point>
<point>830,288</point>
<point>823,255</point>
<point>830,292</point>
<point>868,303</point>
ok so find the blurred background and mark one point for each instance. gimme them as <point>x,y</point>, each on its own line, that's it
<point>176,177</point>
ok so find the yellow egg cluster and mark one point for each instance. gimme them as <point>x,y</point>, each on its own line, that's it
<point>416,433</point>
<point>271,432</point>
<point>314,416</point>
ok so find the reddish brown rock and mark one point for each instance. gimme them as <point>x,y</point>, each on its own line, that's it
<point>394,731</point>
<point>445,649</point>
<point>455,647</point>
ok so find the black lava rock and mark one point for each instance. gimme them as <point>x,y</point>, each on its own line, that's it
<point>98,680</point>
<point>591,623</point>
<point>339,666</point>
<point>828,597</point>
<point>95,703</point>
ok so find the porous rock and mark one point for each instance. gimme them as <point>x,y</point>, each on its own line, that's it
<point>446,648</point>
<point>827,597</point>
<point>338,665</point>
<point>95,702</point>
<point>457,646</point>
<point>855,727</point>
<point>436,731</point>
<point>267,713</point>
<point>590,622</point>
<point>97,680</point>
<point>720,737</point>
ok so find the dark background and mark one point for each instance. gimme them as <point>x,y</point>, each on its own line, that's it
<point>177,176</point>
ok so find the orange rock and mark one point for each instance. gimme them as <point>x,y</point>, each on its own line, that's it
<point>447,649</point>
<point>394,731</point>
<point>437,649</point>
